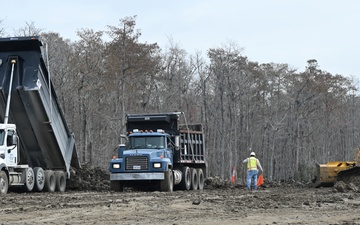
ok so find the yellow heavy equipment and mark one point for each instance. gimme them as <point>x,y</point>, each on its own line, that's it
<point>329,173</point>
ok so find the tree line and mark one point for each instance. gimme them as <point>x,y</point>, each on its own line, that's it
<point>292,120</point>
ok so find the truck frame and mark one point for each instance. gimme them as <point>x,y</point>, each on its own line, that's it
<point>160,153</point>
<point>36,147</point>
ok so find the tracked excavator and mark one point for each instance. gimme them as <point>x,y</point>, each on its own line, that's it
<point>348,171</point>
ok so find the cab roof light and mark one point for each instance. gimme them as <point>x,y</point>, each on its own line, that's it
<point>160,131</point>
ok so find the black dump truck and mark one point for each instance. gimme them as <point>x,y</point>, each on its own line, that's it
<point>160,153</point>
<point>36,147</point>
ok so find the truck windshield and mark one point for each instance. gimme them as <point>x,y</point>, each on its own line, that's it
<point>146,142</point>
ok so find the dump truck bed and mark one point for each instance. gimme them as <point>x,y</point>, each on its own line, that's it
<point>192,145</point>
<point>45,138</point>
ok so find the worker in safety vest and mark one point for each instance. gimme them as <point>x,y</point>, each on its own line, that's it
<point>253,168</point>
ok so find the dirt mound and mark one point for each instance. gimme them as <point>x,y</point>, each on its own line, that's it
<point>341,186</point>
<point>219,183</point>
<point>89,178</point>
<point>216,182</point>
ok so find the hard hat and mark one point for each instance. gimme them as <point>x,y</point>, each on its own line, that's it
<point>252,154</point>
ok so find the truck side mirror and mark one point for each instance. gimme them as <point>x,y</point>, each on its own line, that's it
<point>177,142</point>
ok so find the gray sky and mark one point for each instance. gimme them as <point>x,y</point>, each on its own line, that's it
<point>279,31</point>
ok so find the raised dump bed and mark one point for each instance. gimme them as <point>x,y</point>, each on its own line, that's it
<point>45,140</point>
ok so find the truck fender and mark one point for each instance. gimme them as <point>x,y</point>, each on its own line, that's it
<point>3,165</point>
<point>169,166</point>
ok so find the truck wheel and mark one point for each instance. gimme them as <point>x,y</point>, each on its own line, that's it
<point>39,179</point>
<point>60,181</point>
<point>116,185</point>
<point>194,179</point>
<point>201,179</point>
<point>167,185</point>
<point>4,183</point>
<point>186,179</point>
<point>29,179</point>
<point>49,181</point>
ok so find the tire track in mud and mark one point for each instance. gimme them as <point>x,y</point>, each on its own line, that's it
<point>230,206</point>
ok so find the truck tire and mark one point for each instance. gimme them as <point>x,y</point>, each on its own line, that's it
<point>194,179</point>
<point>60,181</point>
<point>4,183</point>
<point>116,185</point>
<point>39,179</point>
<point>201,179</point>
<point>49,181</point>
<point>29,180</point>
<point>186,179</point>
<point>167,185</point>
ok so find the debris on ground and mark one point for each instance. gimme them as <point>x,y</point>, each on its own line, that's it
<point>216,182</point>
<point>341,186</point>
<point>89,178</point>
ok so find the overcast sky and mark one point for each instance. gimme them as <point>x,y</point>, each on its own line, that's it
<point>279,31</point>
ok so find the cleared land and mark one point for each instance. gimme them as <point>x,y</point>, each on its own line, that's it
<point>217,204</point>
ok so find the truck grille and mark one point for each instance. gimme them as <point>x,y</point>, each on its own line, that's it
<point>136,163</point>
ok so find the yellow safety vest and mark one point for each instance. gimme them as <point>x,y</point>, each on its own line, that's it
<point>252,163</point>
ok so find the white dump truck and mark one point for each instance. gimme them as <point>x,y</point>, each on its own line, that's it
<point>37,149</point>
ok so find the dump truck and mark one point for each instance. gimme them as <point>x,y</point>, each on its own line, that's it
<point>37,148</point>
<point>160,153</point>
<point>329,173</point>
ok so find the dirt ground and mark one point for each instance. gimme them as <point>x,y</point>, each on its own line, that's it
<point>218,203</point>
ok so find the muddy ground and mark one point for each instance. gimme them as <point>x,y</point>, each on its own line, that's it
<point>91,202</point>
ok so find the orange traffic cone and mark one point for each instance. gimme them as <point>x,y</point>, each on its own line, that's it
<point>233,175</point>
<point>260,180</point>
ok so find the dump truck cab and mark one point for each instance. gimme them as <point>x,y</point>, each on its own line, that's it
<point>146,156</point>
<point>9,144</point>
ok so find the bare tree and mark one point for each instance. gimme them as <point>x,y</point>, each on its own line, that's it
<point>89,62</point>
<point>28,30</point>
<point>176,79</point>
<point>2,29</point>
<point>132,68</point>
<point>293,120</point>
<point>228,90</point>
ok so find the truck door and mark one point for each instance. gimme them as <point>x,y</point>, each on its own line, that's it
<point>11,153</point>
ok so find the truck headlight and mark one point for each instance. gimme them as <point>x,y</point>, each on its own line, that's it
<point>157,165</point>
<point>116,166</point>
